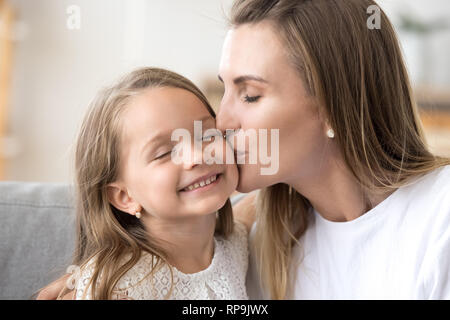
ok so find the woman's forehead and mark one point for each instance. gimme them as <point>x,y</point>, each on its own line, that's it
<point>252,49</point>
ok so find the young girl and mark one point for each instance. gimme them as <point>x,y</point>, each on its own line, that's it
<point>149,228</point>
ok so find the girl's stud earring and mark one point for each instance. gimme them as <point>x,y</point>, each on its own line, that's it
<point>330,133</point>
<point>138,215</point>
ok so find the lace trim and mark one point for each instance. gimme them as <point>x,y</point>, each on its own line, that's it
<point>223,279</point>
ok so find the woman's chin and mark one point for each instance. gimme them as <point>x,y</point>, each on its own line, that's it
<point>250,178</point>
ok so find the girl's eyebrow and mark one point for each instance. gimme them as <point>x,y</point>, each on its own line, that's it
<point>166,134</point>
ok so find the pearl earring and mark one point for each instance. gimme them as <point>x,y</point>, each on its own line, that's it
<point>330,133</point>
<point>138,215</point>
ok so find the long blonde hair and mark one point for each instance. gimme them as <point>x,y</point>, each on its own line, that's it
<point>360,80</point>
<point>103,231</point>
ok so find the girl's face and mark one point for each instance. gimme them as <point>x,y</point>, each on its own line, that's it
<point>149,178</point>
<point>264,91</point>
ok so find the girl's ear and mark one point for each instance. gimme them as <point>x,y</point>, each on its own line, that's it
<point>119,198</point>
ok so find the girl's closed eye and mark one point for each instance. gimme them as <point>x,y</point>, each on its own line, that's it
<point>162,155</point>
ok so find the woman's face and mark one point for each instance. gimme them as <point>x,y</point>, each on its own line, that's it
<point>264,91</point>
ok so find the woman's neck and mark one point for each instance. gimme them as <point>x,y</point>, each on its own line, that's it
<point>189,242</point>
<point>336,194</point>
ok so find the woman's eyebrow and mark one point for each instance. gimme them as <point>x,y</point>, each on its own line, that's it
<point>245,78</point>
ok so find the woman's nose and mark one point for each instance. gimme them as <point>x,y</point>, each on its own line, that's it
<point>226,117</point>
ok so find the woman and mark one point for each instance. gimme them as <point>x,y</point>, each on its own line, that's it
<point>359,208</point>
<point>370,209</point>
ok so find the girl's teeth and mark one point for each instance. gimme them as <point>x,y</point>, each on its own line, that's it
<point>202,183</point>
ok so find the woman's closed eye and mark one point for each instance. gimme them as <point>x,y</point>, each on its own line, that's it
<point>210,133</point>
<point>251,99</point>
<point>209,136</point>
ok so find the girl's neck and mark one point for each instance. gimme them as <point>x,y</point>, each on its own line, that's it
<point>188,242</point>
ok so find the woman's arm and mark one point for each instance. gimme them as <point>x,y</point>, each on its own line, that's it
<point>244,211</point>
<point>51,291</point>
<point>69,296</point>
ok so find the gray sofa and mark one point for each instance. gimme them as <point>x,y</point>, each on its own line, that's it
<point>37,233</point>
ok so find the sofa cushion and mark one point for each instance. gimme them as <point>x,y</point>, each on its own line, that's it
<point>36,235</point>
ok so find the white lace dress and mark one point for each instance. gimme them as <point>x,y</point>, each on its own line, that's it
<point>224,279</point>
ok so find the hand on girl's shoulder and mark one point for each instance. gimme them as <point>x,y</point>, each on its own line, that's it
<point>69,296</point>
<point>245,210</point>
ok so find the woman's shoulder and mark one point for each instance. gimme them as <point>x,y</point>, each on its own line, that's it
<point>443,177</point>
<point>432,223</point>
<point>434,185</point>
<point>440,175</point>
<point>424,199</point>
<point>437,188</point>
<point>426,206</point>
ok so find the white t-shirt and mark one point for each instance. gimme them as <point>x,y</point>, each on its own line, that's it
<point>398,250</point>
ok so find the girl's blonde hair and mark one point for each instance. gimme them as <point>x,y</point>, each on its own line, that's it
<point>103,231</point>
<point>361,83</point>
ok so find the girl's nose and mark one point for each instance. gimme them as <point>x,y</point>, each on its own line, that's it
<point>195,159</point>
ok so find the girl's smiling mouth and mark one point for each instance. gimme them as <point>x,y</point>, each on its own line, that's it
<point>203,184</point>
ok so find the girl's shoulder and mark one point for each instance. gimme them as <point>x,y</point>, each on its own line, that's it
<point>238,238</point>
<point>137,274</point>
<point>240,232</point>
<point>83,278</point>
<point>235,247</point>
<point>244,209</point>
<point>147,279</point>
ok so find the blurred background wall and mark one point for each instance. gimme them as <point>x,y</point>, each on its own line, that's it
<point>56,68</point>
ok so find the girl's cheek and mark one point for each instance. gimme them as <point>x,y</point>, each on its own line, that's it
<point>228,153</point>
<point>214,152</point>
<point>162,179</point>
